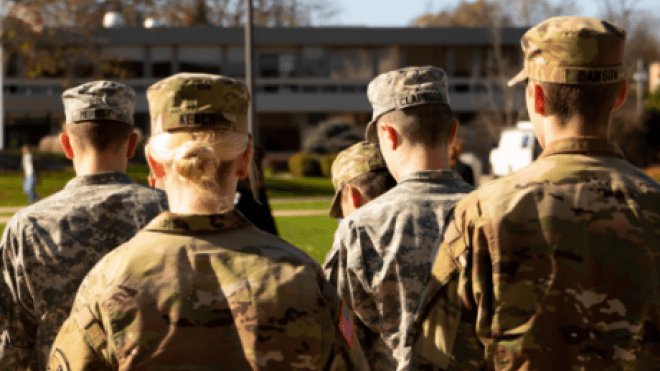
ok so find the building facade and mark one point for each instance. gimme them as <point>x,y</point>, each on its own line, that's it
<point>302,75</point>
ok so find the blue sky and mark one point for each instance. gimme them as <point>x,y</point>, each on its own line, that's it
<point>398,13</point>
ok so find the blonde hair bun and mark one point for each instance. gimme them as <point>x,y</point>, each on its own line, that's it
<point>195,161</point>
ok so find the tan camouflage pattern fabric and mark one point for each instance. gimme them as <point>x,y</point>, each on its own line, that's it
<point>380,260</point>
<point>405,87</point>
<point>573,50</point>
<point>198,100</point>
<point>193,292</point>
<point>99,100</point>
<point>358,159</point>
<point>48,248</point>
<point>554,267</point>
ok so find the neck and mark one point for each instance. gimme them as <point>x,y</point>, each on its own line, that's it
<point>97,163</point>
<point>420,159</point>
<point>189,198</point>
<point>555,129</point>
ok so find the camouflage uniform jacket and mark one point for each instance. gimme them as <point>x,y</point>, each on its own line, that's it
<point>206,292</point>
<point>555,267</point>
<point>48,248</point>
<point>381,256</point>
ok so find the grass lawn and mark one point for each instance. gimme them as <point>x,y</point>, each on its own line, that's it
<point>302,205</point>
<point>312,234</point>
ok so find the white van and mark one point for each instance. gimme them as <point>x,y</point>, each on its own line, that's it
<point>517,148</point>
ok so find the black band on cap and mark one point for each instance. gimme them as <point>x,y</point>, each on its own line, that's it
<point>217,120</point>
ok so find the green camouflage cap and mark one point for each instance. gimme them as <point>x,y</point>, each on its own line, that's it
<point>405,87</point>
<point>352,162</point>
<point>198,100</point>
<point>99,100</point>
<point>573,50</point>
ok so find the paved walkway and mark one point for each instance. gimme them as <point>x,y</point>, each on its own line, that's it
<point>12,209</point>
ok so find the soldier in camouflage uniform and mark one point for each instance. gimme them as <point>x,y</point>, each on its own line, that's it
<point>557,266</point>
<point>48,247</point>
<point>359,175</point>
<point>380,257</point>
<point>202,288</point>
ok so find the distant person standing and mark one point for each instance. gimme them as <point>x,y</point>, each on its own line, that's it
<point>381,254</point>
<point>48,247</point>
<point>30,174</point>
<point>359,175</point>
<point>556,266</point>
<point>459,166</point>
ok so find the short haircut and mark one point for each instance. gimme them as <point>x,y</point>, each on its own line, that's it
<point>374,183</point>
<point>428,125</point>
<point>100,135</point>
<point>592,102</point>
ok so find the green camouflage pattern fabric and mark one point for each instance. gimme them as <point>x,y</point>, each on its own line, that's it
<point>573,50</point>
<point>356,160</point>
<point>99,100</point>
<point>212,292</point>
<point>405,87</point>
<point>380,260</point>
<point>555,267</point>
<point>198,100</point>
<point>48,248</point>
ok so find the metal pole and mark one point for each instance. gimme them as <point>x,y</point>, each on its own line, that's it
<point>249,69</point>
<point>2,82</point>
<point>640,87</point>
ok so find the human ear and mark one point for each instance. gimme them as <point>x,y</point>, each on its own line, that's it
<point>156,167</point>
<point>356,197</point>
<point>132,143</point>
<point>623,93</point>
<point>66,143</point>
<point>539,99</point>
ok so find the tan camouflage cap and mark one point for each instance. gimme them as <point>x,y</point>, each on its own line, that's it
<point>352,162</point>
<point>405,87</point>
<point>198,100</point>
<point>99,100</point>
<point>573,50</point>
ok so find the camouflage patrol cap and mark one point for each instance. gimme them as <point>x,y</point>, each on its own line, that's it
<point>573,50</point>
<point>198,100</point>
<point>352,162</point>
<point>405,87</point>
<point>99,100</point>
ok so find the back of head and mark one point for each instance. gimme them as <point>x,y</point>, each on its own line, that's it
<point>415,100</point>
<point>198,125</point>
<point>577,62</point>
<point>99,114</point>
<point>362,165</point>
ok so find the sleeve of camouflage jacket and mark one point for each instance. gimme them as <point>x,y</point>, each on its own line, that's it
<point>345,268</point>
<point>18,321</point>
<point>81,344</point>
<point>347,354</point>
<point>444,335</point>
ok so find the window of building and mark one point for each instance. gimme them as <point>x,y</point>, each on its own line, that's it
<point>235,64</point>
<point>123,62</point>
<point>204,59</point>
<point>351,64</point>
<point>161,58</point>
<point>313,62</point>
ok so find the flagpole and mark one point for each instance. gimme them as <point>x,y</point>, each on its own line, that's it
<point>2,80</point>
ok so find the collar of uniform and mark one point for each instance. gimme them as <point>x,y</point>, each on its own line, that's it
<point>594,146</point>
<point>430,176</point>
<point>103,178</point>
<point>193,223</point>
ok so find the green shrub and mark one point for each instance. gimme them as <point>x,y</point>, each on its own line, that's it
<point>304,164</point>
<point>326,164</point>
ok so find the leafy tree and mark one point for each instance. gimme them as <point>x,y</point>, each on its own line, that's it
<point>69,25</point>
